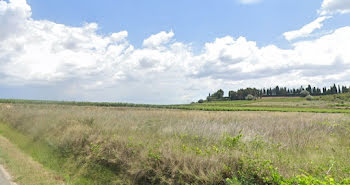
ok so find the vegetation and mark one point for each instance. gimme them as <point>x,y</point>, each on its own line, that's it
<point>22,166</point>
<point>309,98</point>
<point>242,94</point>
<point>250,97</point>
<point>321,104</point>
<point>340,98</point>
<point>304,93</point>
<point>120,145</point>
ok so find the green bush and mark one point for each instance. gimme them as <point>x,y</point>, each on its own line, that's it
<point>304,93</point>
<point>232,141</point>
<point>309,98</point>
<point>250,97</point>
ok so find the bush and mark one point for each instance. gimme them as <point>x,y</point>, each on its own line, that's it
<point>309,98</point>
<point>200,101</point>
<point>304,93</point>
<point>250,97</point>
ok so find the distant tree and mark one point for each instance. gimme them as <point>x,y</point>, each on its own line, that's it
<point>242,94</point>
<point>232,95</point>
<point>324,90</point>
<point>277,90</point>
<point>200,101</point>
<point>220,94</point>
<point>309,89</point>
<point>334,89</point>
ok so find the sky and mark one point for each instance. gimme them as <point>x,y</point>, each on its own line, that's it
<point>169,52</point>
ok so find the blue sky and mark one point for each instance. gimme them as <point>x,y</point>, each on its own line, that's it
<point>195,21</point>
<point>168,51</point>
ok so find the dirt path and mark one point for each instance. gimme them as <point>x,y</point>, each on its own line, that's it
<point>5,177</point>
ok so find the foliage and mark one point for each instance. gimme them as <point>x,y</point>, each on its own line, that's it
<point>250,97</point>
<point>341,98</point>
<point>103,145</point>
<point>304,93</point>
<point>241,94</point>
<point>232,141</point>
<point>309,98</point>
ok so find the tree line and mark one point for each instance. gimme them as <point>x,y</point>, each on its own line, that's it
<point>242,94</point>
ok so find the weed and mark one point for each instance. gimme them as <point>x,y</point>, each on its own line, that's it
<point>232,141</point>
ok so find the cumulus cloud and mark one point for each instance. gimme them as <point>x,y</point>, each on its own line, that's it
<point>335,6</point>
<point>307,29</point>
<point>158,39</point>
<point>47,60</point>
<point>13,15</point>
<point>316,58</point>
<point>327,10</point>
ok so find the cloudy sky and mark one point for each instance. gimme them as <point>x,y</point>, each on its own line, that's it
<point>168,52</point>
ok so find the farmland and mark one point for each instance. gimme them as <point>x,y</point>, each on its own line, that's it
<point>95,143</point>
<point>321,104</point>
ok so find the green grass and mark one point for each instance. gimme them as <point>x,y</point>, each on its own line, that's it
<point>77,103</point>
<point>38,150</point>
<point>323,104</point>
<point>290,104</point>
<point>65,165</point>
<point>283,99</point>
<point>21,166</point>
<point>268,109</point>
<point>112,145</point>
<point>345,97</point>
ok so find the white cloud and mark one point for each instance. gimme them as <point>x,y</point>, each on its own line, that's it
<point>13,15</point>
<point>306,30</point>
<point>249,1</point>
<point>334,6</point>
<point>158,39</point>
<point>328,8</point>
<point>77,63</point>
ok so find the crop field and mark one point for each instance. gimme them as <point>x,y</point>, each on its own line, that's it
<point>322,104</point>
<point>142,145</point>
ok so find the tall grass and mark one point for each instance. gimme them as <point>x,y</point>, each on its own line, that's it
<point>110,145</point>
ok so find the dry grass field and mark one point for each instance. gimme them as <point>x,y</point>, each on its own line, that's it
<point>101,145</point>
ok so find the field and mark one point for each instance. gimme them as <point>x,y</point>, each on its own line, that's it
<point>322,104</point>
<point>292,143</point>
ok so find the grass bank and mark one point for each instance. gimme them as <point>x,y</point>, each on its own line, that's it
<point>22,167</point>
<point>100,145</point>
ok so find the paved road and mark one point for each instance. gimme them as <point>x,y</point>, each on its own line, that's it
<point>3,177</point>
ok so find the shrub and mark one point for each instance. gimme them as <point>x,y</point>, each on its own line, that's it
<point>200,101</point>
<point>309,98</point>
<point>304,93</point>
<point>250,97</point>
<point>232,141</point>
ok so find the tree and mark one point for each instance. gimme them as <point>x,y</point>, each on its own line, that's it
<point>220,94</point>
<point>309,89</point>
<point>334,89</point>
<point>232,95</point>
<point>277,90</point>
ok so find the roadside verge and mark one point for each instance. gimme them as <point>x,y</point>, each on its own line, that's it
<point>24,169</point>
